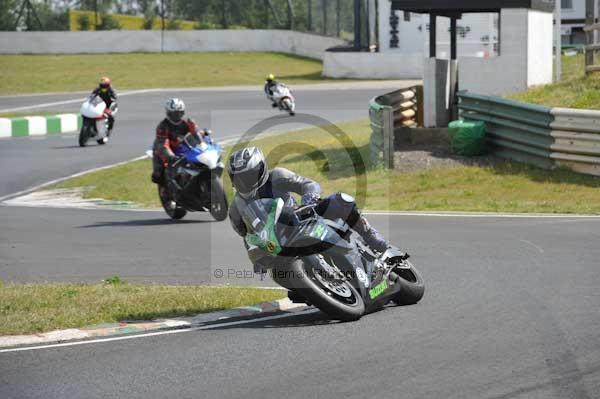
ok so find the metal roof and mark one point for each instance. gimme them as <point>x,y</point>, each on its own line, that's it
<point>442,7</point>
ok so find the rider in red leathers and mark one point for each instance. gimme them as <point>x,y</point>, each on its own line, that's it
<point>169,134</point>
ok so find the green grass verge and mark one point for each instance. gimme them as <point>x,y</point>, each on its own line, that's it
<point>575,90</point>
<point>33,308</point>
<point>57,73</point>
<point>503,187</point>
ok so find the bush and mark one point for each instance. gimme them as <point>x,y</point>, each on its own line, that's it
<point>84,22</point>
<point>148,21</point>
<point>172,24</point>
<point>107,22</point>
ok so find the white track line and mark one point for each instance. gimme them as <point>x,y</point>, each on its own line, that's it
<point>55,181</point>
<point>64,102</point>
<point>369,85</point>
<point>481,215</point>
<point>168,332</point>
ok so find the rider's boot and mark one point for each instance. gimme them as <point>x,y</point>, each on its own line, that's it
<point>372,237</point>
<point>274,105</point>
<point>157,170</point>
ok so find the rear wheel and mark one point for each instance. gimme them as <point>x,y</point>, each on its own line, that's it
<point>336,297</point>
<point>412,286</point>
<point>218,199</point>
<point>175,212</point>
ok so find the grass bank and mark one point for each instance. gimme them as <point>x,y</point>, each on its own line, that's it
<point>33,308</point>
<point>575,90</point>
<point>501,187</point>
<point>58,73</point>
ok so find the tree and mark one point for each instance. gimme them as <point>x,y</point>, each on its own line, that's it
<point>7,14</point>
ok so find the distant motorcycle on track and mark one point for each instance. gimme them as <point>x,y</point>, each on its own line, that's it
<point>94,124</point>
<point>324,263</point>
<point>194,182</point>
<point>284,99</point>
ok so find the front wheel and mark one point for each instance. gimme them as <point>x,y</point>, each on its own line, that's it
<point>336,297</point>
<point>218,199</point>
<point>175,212</point>
<point>84,134</point>
<point>412,286</point>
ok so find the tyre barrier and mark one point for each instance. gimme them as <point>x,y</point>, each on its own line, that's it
<point>389,112</point>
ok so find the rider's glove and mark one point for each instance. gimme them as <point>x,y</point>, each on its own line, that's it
<point>206,135</point>
<point>173,159</point>
<point>310,198</point>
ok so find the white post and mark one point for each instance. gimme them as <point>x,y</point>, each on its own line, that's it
<point>558,38</point>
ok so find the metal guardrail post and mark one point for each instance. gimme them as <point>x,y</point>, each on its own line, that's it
<point>389,112</point>
<point>388,137</point>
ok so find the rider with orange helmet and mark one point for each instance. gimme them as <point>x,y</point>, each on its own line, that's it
<point>106,92</point>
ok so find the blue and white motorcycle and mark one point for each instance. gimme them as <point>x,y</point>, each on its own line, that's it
<point>194,182</point>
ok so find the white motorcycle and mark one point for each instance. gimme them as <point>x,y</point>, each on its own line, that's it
<point>283,97</point>
<point>94,124</point>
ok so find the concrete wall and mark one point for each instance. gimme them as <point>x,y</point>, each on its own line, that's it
<point>284,41</point>
<point>539,48</point>
<point>525,56</point>
<point>372,65</point>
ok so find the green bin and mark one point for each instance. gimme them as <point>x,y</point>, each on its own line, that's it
<point>467,137</point>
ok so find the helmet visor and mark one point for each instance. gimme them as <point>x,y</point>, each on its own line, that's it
<point>175,116</point>
<point>249,180</point>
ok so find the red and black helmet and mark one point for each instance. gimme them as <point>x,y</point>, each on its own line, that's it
<point>104,82</point>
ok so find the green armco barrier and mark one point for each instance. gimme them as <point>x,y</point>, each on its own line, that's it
<point>514,130</point>
<point>538,135</point>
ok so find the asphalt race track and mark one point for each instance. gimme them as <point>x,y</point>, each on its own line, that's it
<point>511,308</point>
<point>27,161</point>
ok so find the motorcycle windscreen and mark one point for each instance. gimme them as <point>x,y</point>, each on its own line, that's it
<point>261,217</point>
<point>193,140</point>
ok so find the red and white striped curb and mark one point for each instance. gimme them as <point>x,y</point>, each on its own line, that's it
<point>136,327</point>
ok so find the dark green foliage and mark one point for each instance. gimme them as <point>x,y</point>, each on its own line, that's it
<point>107,22</point>
<point>84,22</point>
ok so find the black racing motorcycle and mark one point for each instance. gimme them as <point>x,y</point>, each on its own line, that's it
<point>194,182</point>
<point>324,263</point>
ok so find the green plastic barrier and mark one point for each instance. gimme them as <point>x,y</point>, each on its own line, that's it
<point>467,138</point>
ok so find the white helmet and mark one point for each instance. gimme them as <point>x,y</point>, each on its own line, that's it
<point>175,108</point>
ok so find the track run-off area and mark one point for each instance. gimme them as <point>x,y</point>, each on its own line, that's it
<point>511,308</point>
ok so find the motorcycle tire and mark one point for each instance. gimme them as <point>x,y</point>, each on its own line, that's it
<point>412,286</point>
<point>310,287</point>
<point>218,200</point>
<point>84,135</point>
<point>174,213</point>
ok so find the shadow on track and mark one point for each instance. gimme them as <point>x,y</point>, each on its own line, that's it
<point>62,147</point>
<point>143,223</point>
<point>301,319</point>
<point>293,321</point>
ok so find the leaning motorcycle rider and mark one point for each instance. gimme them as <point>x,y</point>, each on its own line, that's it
<point>269,86</point>
<point>109,96</point>
<point>252,180</point>
<point>170,132</point>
